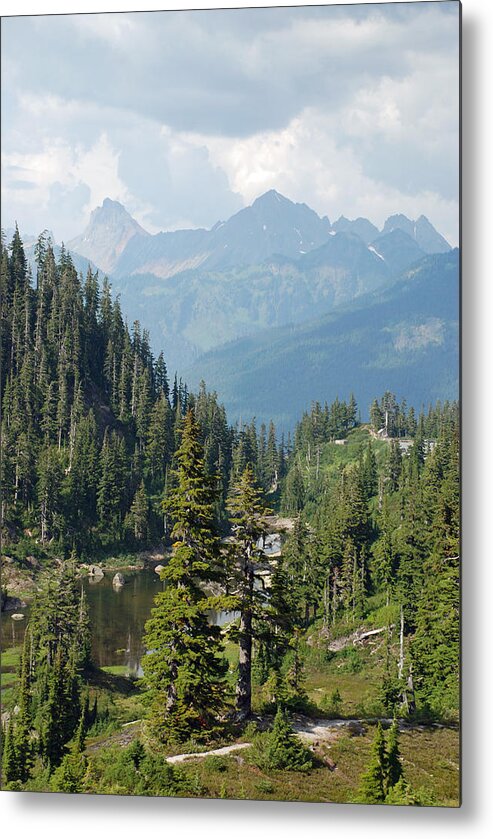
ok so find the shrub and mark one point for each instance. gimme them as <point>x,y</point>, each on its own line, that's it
<point>215,763</point>
<point>264,786</point>
<point>332,704</point>
<point>250,731</point>
<point>280,748</point>
<point>404,794</point>
<point>69,776</point>
<point>134,771</point>
<point>351,661</point>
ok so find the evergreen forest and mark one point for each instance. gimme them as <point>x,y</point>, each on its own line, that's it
<point>332,548</point>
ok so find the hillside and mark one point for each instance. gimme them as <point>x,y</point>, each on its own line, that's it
<point>403,338</point>
<point>195,311</point>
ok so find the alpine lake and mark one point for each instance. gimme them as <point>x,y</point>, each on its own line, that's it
<point>117,617</point>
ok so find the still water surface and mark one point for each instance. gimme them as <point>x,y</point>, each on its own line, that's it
<point>117,616</point>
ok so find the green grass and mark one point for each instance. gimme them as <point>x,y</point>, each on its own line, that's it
<point>10,658</point>
<point>430,759</point>
<point>9,663</point>
<point>120,695</point>
<point>430,755</point>
<point>116,670</point>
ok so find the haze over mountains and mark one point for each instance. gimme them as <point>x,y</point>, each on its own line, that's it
<point>109,231</point>
<point>272,283</point>
<point>272,225</point>
<point>403,338</point>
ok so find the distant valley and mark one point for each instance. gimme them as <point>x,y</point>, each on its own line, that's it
<point>403,338</point>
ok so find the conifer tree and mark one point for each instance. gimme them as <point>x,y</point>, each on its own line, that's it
<point>137,518</point>
<point>10,760</point>
<point>300,565</point>
<point>248,525</point>
<point>373,782</point>
<point>184,671</point>
<point>69,775</point>
<point>159,445</point>
<point>280,748</point>
<point>393,760</point>
<point>294,492</point>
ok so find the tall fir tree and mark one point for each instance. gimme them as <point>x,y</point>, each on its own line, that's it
<point>184,671</point>
<point>247,512</point>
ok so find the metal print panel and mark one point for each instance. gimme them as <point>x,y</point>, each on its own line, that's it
<point>230,417</point>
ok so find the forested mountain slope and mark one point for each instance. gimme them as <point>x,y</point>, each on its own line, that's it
<point>403,337</point>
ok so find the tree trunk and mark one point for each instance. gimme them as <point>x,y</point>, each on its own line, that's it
<point>244,684</point>
<point>326,602</point>
<point>410,688</point>
<point>44,521</point>
<point>334,595</point>
<point>400,667</point>
<point>401,647</point>
<point>172,696</point>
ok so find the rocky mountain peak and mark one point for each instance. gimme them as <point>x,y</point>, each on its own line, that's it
<point>422,231</point>
<point>106,236</point>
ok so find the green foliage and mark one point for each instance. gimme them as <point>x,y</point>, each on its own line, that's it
<point>350,660</point>
<point>85,411</point>
<point>404,794</point>
<point>215,763</point>
<point>383,781</point>
<point>394,765</point>
<point>265,786</point>
<point>280,748</point>
<point>134,770</point>
<point>333,704</point>
<point>54,654</point>
<point>373,782</point>
<point>92,440</point>
<point>69,776</point>
<point>11,764</point>
<point>384,523</point>
<point>184,672</point>
<point>245,559</point>
<point>434,648</point>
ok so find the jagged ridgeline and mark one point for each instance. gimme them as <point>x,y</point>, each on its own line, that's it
<point>90,423</point>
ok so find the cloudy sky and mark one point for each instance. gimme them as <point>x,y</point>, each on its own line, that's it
<point>185,117</point>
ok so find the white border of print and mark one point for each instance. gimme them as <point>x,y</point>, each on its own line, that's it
<point>81,816</point>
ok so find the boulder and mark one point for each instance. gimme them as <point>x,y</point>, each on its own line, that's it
<point>17,616</point>
<point>95,571</point>
<point>119,580</point>
<point>159,568</point>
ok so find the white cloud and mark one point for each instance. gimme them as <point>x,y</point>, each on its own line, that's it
<point>114,29</point>
<point>306,163</point>
<point>184,116</point>
<point>66,166</point>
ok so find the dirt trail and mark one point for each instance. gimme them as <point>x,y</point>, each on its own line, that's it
<point>321,729</point>
<point>224,750</point>
<point>310,730</point>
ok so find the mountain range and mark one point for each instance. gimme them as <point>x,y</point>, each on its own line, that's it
<point>403,338</point>
<point>273,263</point>
<point>272,226</point>
<point>278,288</point>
